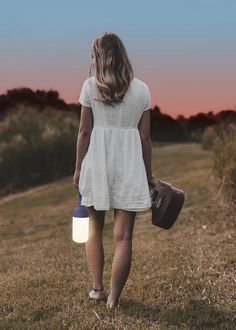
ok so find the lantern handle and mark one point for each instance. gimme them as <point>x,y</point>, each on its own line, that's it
<point>79,197</point>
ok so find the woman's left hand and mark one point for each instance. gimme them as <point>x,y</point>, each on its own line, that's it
<point>76,178</point>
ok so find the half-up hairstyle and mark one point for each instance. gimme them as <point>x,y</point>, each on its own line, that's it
<point>113,70</point>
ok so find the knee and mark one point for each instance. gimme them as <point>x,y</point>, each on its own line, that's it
<point>95,236</point>
<point>121,237</point>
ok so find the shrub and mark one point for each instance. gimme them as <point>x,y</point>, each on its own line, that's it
<point>36,147</point>
<point>221,140</point>
<point>208,137</point>
<point>196,136</point>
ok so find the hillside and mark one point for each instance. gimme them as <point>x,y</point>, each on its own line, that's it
<point>182,278</point>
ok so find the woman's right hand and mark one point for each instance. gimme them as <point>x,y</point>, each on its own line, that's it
<point>151,180</point>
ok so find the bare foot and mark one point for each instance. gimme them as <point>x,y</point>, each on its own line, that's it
<point>97,294</point>
<point>112,305</point>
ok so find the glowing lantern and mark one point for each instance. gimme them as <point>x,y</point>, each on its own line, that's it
<point>80,222</point>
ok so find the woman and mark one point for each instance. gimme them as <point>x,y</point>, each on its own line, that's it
<point>113,159</point>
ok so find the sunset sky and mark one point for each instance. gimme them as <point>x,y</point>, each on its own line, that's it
<point>184,50</point>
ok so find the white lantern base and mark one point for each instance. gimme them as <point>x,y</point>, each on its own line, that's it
<point>80,229</point>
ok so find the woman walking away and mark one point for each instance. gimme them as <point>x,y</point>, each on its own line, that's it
<point>113,158</point>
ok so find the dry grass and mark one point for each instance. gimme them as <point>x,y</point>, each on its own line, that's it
<point>182,278</point>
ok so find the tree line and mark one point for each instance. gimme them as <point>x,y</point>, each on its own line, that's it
<point>163,126</point>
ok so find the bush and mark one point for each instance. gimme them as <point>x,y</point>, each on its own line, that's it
<point>196,136</point>
<point>36,147</point>
<point>208,137</point>
<point>221,140</point>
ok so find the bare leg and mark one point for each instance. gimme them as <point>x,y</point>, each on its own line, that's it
<point>94,246</point>
<point>123,233</point>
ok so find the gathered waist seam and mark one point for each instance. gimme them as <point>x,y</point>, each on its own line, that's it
<point>111,127</point>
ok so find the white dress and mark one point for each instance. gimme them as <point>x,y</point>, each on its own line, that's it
<point>113,173</point>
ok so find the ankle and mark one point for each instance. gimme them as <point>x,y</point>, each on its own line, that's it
<point>98,288</point>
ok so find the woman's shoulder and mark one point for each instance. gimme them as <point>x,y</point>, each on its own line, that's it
<point>139,87</point>
<point>89,83</point>
<point>89,80</point>
<point>140,82</point>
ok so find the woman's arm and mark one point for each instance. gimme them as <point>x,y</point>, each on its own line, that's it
<point>83,140</point>
<point>144,131</point>
<point>84,133</point>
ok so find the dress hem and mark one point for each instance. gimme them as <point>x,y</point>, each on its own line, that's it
<point>111,205</point>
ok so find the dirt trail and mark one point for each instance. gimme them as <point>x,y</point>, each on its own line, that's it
<point>30,191</point>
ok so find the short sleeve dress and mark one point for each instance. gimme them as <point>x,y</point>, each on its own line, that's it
<point>113,173</point>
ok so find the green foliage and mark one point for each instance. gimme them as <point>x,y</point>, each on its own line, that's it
<point>208,137</point>
<point>221,140</point>
<point>35,147</point>
<point>196,135</point>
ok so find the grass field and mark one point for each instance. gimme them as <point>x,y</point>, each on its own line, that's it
<point>182,278</point>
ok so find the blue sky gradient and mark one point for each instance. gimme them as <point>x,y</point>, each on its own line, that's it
<point>184,50</point>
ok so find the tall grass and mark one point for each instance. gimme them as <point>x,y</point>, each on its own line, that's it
<point>221,140</point>
<point>35,147</point>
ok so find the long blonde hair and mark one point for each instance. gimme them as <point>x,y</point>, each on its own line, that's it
<point>113,70</point>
